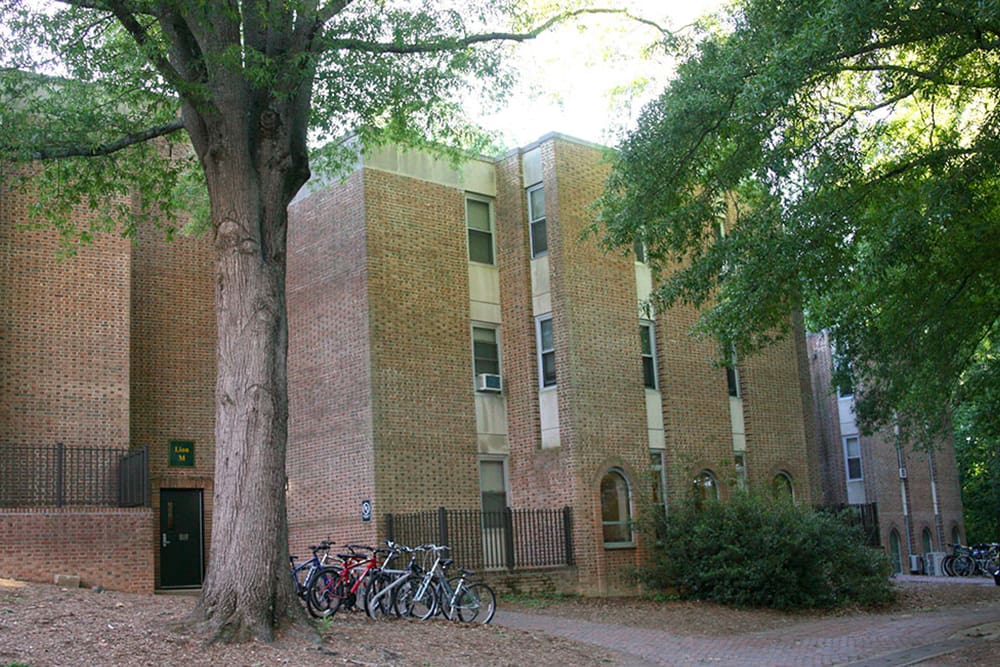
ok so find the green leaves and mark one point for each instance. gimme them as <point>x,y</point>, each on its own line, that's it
<point>859,142</point>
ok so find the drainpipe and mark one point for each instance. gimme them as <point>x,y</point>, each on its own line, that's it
<point>938,521</point>
<point>903,491</point>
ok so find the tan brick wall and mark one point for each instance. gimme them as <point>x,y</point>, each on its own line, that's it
<point>424,413</point>
<point>112,548</point>
<point>330,444</point>
<point>64,336</point>
<point>172,345</point>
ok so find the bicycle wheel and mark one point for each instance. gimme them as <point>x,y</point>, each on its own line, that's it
<point>475,603</point>
<point>411,602</point>
<point>378,606</point>
<point>964,566</point>
<point>947,564</point>
<point>326,591</point>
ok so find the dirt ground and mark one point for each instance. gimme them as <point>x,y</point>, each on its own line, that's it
<point>44,625</point>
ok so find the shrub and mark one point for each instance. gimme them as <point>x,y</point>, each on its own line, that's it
<point>760,552</point>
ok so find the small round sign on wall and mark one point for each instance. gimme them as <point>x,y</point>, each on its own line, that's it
<point>366,510</point>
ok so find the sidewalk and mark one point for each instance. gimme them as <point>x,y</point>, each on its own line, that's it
<point>877,640</point>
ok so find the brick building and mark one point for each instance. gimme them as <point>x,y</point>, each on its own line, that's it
<point>112,348</point>
<point>916,493</point>
<point>454,342</point>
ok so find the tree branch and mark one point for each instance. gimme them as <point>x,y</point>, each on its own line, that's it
<point>456,43</point>
<point>113,147</point>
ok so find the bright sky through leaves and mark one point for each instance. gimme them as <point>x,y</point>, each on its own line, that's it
<point>592,79</point>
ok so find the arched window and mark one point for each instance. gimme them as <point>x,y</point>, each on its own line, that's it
<point>616,513</point>
<point>895,554</point>
<point>706,487</point>
<point>925,540</point>
<point>956,535</point>
<point>782,487</point>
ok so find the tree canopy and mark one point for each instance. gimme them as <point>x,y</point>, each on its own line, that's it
<point>855,145</point>
<point>127,108</point>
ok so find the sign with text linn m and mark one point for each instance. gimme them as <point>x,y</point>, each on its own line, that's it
<point>181,454</point>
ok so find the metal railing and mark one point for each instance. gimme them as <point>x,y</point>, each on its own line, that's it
<point>59,476</point>
<point>511,539</point>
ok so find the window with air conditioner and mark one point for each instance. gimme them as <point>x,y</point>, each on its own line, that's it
<point>486,358</point>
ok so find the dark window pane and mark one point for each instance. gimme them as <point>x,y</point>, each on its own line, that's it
<point>648,372</point>
<point>853,468</point>
<point>480,246</point>
<point>548,369</point>
<point>539,240</point>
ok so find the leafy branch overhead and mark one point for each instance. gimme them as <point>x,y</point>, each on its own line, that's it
<point>851,147</point>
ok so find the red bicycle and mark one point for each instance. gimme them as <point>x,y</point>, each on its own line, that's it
<point>342,585</point>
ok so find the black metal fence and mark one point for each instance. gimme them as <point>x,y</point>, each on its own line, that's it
<point>45,476</point>
<point>863,516</point>
<point>511,539</point>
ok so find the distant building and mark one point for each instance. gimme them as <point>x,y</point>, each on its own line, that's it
<point>916,493</point>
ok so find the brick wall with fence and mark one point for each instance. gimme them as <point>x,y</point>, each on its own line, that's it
<point>78,511</point>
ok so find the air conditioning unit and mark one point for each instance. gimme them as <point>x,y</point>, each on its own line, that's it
<point>933,563</point>
<point>488,382</point>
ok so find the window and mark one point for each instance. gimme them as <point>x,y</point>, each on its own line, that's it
<point>639,248</point>
<point>536,221</point>
<point>546,352</point>
<point>895,552</point>
<point>479,220</point>
<point>926,541</point>
<point>659,473</point>
<point>781,486</point>
<point>616,514</point>
<point>732,373</point>
<point>706,487</point>
<point>493,491</point>
<point>956,535</point>
<point>852,458</point>
<point>485,351</point>
<point>647,338</point>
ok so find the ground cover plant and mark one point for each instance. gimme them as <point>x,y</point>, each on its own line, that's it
<point>761,552</point>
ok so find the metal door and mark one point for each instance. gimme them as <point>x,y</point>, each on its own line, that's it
<point>182,561</point>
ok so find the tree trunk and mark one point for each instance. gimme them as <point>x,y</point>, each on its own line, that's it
<point>251,175</point>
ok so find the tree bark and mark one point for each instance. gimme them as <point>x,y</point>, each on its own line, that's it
<point>253,168</point>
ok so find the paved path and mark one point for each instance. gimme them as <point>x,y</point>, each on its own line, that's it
<point>888,640</point>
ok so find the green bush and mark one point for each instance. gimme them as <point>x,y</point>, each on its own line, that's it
<point>758,552</point>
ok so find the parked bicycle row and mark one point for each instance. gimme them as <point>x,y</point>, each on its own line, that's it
<point>397,580</point>
<point>968,561</point>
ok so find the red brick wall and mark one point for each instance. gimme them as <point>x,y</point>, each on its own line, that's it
<point>112,548</point>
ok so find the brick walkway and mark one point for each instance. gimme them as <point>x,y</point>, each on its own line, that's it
<point>891,640</point>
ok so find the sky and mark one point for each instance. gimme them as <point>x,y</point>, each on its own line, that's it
<point>567,75</point>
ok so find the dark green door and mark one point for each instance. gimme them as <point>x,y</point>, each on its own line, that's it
<point>182,561</point>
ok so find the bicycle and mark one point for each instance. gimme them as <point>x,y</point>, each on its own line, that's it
<point>959,563</point>
<point>382,594</point>
<point>304,572</point>
<point>434,593</point>
<point>339,585</point>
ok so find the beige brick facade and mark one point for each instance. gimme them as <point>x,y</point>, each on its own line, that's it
<point>383,403</point>
<point>116,347</point>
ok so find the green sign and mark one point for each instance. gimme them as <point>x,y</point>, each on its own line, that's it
<point>181,453</point>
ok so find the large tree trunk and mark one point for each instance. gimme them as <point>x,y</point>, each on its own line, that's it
<point>252,173</point>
